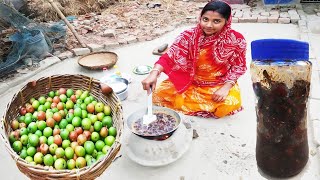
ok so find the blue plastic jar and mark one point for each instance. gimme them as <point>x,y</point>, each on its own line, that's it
<point>281,73</point>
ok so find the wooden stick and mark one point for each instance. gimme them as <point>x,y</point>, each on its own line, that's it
<point>55,7</point>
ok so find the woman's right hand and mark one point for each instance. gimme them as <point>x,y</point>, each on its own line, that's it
<point>150,81</point>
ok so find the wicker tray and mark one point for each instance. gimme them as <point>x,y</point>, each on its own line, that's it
<point>98,60</point>
<point>43,86</point>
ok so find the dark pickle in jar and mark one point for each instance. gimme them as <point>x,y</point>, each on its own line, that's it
<point>282,143</point>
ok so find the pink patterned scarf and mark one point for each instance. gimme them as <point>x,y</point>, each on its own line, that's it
<point>229,48</point>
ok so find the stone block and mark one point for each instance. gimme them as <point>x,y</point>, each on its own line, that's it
<point>56,53</point>
<point>110,44</point>
<point>299,6</point>
<point>191,17</point>
<point>121,25</point>
<point>201,6</point>
<point>154,4</point>
<point>262,19</point>
<point>235,20</point>
<point>294,18</point>
<point>275,15</point>
<point>284,9</point>
<point>142,38</point>
<point>265,14</point>
<point>86,22</point>
<point>284,15</point>
<point>132,39</point>
<point>81,51</point>
<point>239,6</point>
<point>272,19</point>
<point>274,12</point>
<point>109,33</point>
<point>95,47</point>
<point>255,12</point>
<point>122,41</point>
<point>248,20</point>
<point>65,55</point>
<point>234,1</point>
<point>284,20</point>
<point>292,12</point>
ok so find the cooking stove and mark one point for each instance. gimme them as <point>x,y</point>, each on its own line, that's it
<point>155,153</point>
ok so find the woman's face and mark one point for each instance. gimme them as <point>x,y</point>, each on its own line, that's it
<point>212,22</point>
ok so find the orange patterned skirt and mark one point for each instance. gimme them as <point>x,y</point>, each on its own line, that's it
<point>197,101</point>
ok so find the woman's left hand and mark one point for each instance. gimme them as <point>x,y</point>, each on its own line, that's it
<point>221,94</point>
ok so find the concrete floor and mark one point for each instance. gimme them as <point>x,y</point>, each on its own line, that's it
<point>225,148</point>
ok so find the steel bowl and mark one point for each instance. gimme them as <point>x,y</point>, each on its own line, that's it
<point>156,109</point>
<point>121,92</point>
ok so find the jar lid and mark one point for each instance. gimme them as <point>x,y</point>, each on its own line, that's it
<point>279,50</point>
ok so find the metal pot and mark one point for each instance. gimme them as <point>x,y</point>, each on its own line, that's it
<point>121,92</point>
<point>156,109</point>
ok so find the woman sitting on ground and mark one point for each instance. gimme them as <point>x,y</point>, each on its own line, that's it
<point>203,66</point>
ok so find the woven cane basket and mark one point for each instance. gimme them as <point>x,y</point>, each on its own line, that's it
<point>41,87</point>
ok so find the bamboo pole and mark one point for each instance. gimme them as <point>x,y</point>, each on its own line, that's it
<point>55,7</point>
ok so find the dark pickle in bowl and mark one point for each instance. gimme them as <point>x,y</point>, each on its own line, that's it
<point>165,123</point>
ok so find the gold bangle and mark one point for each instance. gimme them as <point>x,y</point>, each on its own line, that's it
<point>154,69</point>
<point>231,82</point>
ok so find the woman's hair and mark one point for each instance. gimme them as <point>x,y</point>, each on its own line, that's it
<point>218,6</point>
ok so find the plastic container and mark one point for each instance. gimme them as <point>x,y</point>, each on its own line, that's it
<point>280,2</point>
<point>281,74</point>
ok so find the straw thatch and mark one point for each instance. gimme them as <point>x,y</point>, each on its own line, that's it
<point>41,10</point>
